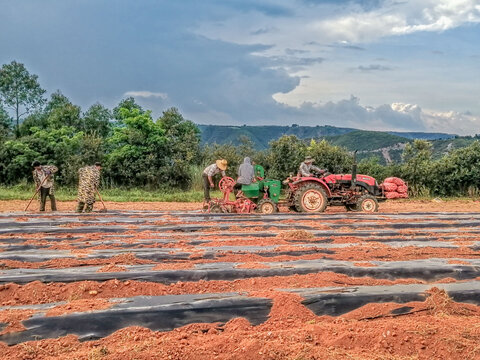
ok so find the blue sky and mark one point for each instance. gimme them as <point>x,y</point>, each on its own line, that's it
<point>379,65</point>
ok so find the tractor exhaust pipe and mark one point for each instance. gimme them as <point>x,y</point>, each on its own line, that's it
<point>354,170</point>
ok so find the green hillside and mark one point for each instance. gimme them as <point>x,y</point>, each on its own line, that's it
<point>366,140</point>
<point>262,135</point>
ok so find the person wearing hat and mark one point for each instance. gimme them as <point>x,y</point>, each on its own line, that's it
<point>307,168</point>
<point>210,171</point>
<point>43,177</point>
<point>88,183</point>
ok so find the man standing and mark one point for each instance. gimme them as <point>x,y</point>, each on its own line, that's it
<point>43,177</point>
<point>88,183</point>
<point>210,171</point>
<point>307,167</point>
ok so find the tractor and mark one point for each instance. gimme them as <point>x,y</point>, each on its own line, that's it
<point>261,196</point>
<point>354,191</point>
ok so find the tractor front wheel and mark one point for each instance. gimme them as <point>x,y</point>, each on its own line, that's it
<point>367,203</point>
<point>266,206</point>
<point>310,198</point>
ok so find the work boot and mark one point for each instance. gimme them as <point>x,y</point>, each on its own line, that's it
<point>80,207</point>
<point>89,208</point>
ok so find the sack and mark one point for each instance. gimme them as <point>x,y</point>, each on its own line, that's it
<point>388,186</point>
<point>403,189</point>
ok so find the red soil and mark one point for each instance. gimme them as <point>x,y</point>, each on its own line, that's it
<point>404,205</point>
<point>435,329</point>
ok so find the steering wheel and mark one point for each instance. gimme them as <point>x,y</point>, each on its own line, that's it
<point>226,183</point>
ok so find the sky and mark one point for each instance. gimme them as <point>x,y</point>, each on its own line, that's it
<point>371,64</point>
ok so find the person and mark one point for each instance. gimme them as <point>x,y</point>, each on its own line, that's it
<point>307,168</point>
<point>43,177</point>
<point>246,175</point>
<point>88,183</point>
<point>210,171</point>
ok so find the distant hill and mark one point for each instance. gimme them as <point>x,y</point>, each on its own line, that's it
<point>366,140</point>
<point>262,135</point>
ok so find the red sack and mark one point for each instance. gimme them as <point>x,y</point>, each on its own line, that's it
<point>392,195</point>
<point>394,180</point>
<point>403,189</point>
<point>388,186</point>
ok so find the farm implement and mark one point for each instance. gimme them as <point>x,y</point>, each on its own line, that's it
<point>261,196</point>
<point>356,192</point>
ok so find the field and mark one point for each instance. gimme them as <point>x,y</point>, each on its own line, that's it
<point>164,281</point>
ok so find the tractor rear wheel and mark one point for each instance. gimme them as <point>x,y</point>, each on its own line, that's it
<point>266,206</point>
<point>367,203</point>
<point>310,198</point>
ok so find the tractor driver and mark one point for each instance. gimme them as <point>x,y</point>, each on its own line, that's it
<point>307,168</point>
<point>210,171</point>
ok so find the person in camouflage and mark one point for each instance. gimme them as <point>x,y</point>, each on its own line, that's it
<point>88,183</point>
<point>44,181</point>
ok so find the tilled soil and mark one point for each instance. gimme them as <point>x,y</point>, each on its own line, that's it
<point>185,285</point>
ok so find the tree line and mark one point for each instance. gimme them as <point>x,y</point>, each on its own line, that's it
<point>137,150</point>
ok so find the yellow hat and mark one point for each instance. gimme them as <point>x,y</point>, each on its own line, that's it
<point>222,164</point>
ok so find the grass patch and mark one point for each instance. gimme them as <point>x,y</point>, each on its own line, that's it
<point>25,191</point>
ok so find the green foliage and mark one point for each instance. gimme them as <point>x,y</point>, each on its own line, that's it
<point>96,120</point>
<point>136,150</point>
<point>334,158</point>
<point>5,123</point>
<point>373,168</point>
<point>284,156</point>
<point>182,150</point>
<point>228,152</point>
<point>19,90</point>
<point>417,167</point>
<point>366,140</point>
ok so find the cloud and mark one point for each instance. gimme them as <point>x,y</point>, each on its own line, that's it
<point>386,117</point>
<point>146,94</point>
<point>394,18</point>
<point>373,67</point>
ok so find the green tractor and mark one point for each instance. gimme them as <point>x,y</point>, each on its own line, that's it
<point>261,196</point>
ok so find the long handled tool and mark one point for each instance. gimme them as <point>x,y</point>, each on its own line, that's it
<point>36,192</point>
<point>100,196</point>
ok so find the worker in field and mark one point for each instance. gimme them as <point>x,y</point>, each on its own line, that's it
<point>307,169</point>
<point>88,183</point>
<point>210,171</point>
<point>44,181</point>
<point>246,175</point>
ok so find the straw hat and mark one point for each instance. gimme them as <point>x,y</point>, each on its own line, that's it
<point>309,159</point>
<point>222,164</point>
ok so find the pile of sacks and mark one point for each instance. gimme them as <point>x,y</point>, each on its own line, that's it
<point>395,188</point>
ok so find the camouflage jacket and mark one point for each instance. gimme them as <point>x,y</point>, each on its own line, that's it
<point>39,177</point>
<point>88,182</point>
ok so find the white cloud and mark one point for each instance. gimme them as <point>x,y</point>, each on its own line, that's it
<point>394,117</point>
<point>147,94</point>
<point>394,18</point>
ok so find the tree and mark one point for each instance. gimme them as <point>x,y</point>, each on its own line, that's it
<point>417,167</point>
<point>127,104</point>
<point>96,120</point>
<point>136,150</point>
<point>19,90</point>
<point>182,150</point>
<point>5,122</point>
<point>334,158</point>
<point>284,156</point>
